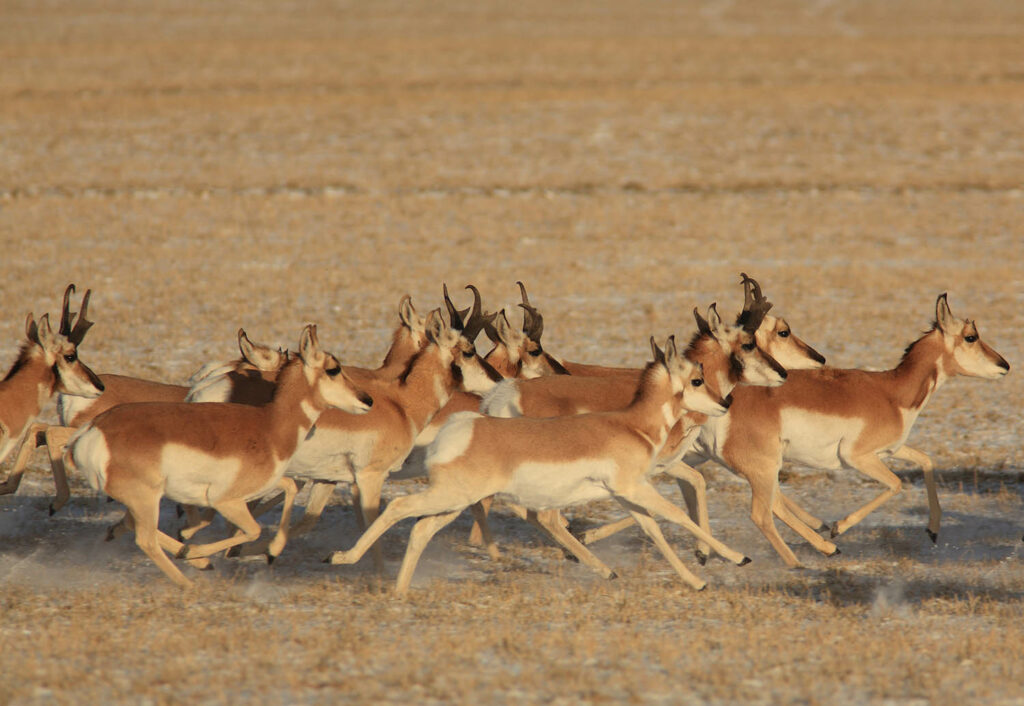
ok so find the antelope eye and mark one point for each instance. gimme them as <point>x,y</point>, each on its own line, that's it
<point>970,339</point>
<point>71,357</point>
<point>333,372</point>
<point>696,382</point>
<point>749,346</point>
<point>536,352</point>
<point>468,354</point>
<point>783,334</point>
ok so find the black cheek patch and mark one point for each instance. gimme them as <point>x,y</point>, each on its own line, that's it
<point>735,368</point>
<point>492,374</point>
<point>456,373</point>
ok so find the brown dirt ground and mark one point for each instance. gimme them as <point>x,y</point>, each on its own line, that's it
<point>205,166</point>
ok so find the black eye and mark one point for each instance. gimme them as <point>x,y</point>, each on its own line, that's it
<point>749,346</point>
<point>333,372</point>
<point>536,352</point>
<point>696,382</point>
<point>970,339</point>
<point>71,357</point>
<point>783,334</point>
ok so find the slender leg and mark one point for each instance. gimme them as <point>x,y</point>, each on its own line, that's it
<point>433,501</point>
<point>598,533</point>
<point>319,496</point>
<point>371,482</point>
<point>783,513</point>
<point>195,521</point>
<point>422,532</point>
<point>763,490</point>
<point>807,518</point>
<point>476,534</point>
<point>56,438</point>
<point>650,527</point>
<point>694,489</point>
<point>261,508</point>
<point>870,465</point>
<point>645,495</point>
<point>34,438</point>
<point>934,510</point>
<point>236,512</point>
<point>145,511</point>
<point>277,544</point>
<point>550,523</point>
<point>480,522</point>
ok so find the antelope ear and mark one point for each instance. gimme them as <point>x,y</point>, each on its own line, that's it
<point>245,346</point>
<point>407,313</point>
<point>44,334</point>
<point>671,354</point>
<point>714,320</point>
<point>31,328</point>
<point>436,326</point>
<point>702,323</point>
<point>503,329</point>
<point>659,355</point>
<point>309,345</point>
<point>943,315</point>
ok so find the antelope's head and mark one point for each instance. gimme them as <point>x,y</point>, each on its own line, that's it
<point>687,380</point>
<point>965,352</point>
<point>520,354</point>
<point>60,350</point>
<point>455,342</point>
<point>323,372</point>
<point>748,362</point>
<point>774,335</point>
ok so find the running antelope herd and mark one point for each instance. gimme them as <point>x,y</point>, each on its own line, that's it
<point>520,424</point>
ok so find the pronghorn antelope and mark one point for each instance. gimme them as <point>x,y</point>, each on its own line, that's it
<point>364,450</point>
<point>548,464</point>
<point>47,364</point>
<point>244,385</point>
<point>218,455</point>
<point>833,418</point>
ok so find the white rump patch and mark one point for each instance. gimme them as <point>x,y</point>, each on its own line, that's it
<point>452,440</point>
<point>91,455</point>
<point>503,400</point>
<point>211,389</point>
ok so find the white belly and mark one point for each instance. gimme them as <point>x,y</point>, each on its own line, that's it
<point>546,486</point>
<point>197,478</point>
<point>331,455</point>
<point>816,439</point>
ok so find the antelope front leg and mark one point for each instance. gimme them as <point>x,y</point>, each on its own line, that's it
<point>319,496</point>
<point>371,483</point>
<point>694,489</point>
<point>34,438</point>
<point>781,511</point>
<point>277,544</point>
<point>476,534</point>
<point>807,518</point>
<point>934,510</point>
<point>651,529</point>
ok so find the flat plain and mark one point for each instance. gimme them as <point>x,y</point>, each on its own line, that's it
<point>205,166</point>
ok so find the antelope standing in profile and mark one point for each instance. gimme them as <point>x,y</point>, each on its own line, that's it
<point>548,464</point>
<point>833,418</point>
<point>47,364</point>
<point>217,455</point>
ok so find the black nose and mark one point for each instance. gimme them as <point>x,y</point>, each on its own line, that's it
<point>727,402</point>
<point>366,399</point>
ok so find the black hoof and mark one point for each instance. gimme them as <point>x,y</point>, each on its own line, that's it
<point>52,511</point>
<point>746,560</point>
<point>571,557</point>
<point>702,588</point>
<point>702,558</point>
<point>182,552</point>
<point>612,576</point>
<point>110,535</point>
<point>327,559</point>
<point>270,558</point>
<point>932,536</point>
<point>834,530</point>
<point>179,536</point>
<point>836,552</point>
<point>208,567</point>
<point>234,552</point>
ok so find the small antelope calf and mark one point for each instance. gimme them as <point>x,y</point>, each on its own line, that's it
<point>217,455</point>
<point>47,364</point>
<point>548,464</point>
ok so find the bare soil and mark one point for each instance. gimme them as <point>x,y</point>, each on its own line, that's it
<point>205,166</point>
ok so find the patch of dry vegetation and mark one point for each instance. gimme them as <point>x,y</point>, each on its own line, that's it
<point>205,166</point>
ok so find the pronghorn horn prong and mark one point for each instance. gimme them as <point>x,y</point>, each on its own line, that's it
<point>475,320</point>
<point>453,313</point>
<point>755,306</point>
<point>490,325</point>
<point>65,311</point>
<point>533,322</point>
<point>82,325</point>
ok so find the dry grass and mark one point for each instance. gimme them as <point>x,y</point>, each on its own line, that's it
<point>204,166</point>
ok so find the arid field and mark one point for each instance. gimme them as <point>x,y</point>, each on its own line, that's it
<point>205,166</point>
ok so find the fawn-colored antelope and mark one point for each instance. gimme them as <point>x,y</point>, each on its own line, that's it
<point>47,364</point>
<point>547,464</point>
<point>833,418</point>
<point>217,455</point>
